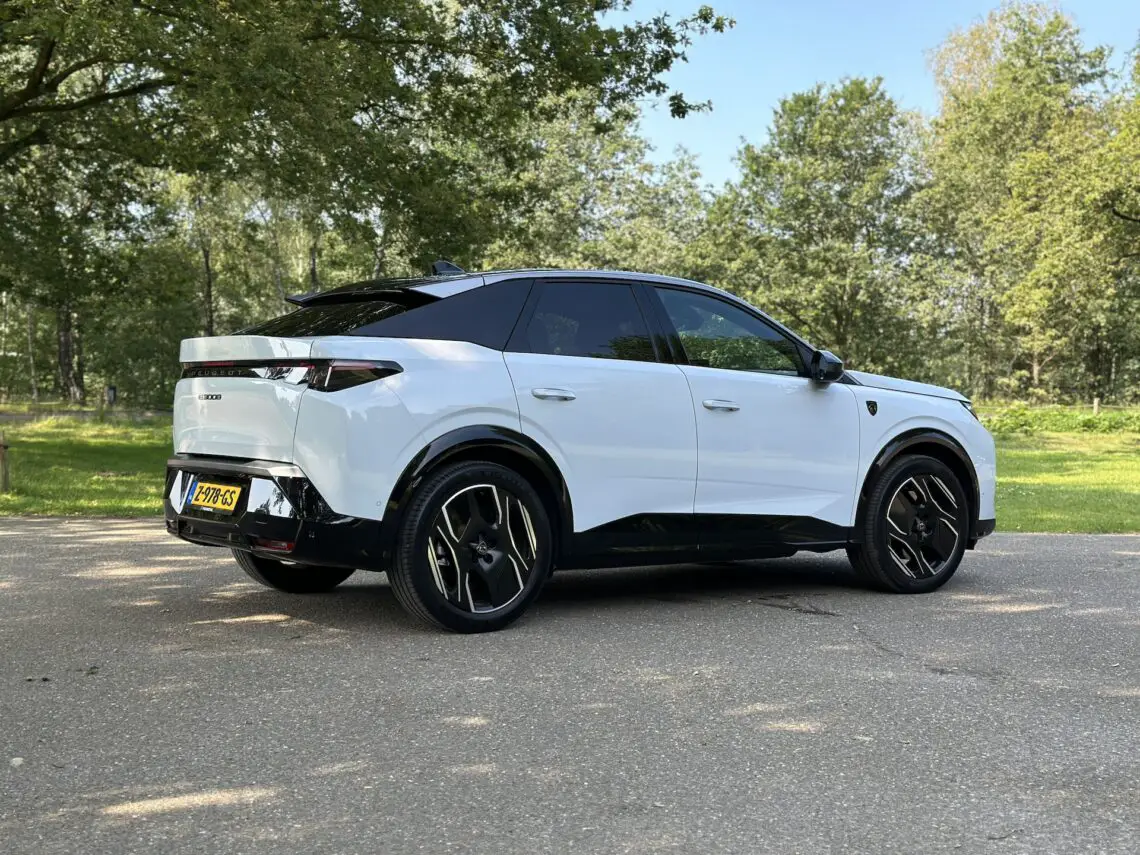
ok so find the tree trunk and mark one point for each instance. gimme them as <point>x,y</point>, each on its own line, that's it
<point>32,355</point>
<point>69,387</point>
<point>313,280</point>
<point>208,294</point>
<point>4,347</point>
<point>1035,368</point>
<point>380,254</point>
<point>80,385</point>
<point>278,279</point>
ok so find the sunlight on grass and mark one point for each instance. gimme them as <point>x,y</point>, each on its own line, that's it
<point>72,467</point>
<point>1069,483</point>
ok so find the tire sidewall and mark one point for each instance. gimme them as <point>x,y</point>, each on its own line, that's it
<point>416,529</point>
<point>876,522</point>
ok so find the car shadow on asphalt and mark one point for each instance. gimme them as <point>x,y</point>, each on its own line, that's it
<point>366,603</point>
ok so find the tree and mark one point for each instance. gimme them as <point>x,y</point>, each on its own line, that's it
<point>363,94</point>
<point>1008,85</point>
<point>821,211</point>
<point>593,199</point>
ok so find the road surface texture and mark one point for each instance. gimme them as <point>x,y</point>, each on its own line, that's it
<point>152,699</point>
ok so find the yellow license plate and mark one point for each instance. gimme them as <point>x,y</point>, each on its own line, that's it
<point>215,497</point>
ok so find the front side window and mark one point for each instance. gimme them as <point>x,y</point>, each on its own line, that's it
<point>717,334</point>
<point>597,319</point>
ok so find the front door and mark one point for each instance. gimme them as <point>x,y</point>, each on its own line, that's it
<point>777,454</point>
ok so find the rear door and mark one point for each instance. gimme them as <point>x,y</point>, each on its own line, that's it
<point>777,454</point>
<point>591,390</point>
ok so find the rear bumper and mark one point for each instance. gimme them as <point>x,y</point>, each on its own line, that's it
<point>982,528</point>
<point>278,505</point>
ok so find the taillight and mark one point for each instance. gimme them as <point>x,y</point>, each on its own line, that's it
<point>344,374</point>
<point>329,375</point>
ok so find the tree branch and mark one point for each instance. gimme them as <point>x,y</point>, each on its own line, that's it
<point>10,149</point>
<point>95,100</point>
<point>35,78</point>
<point>1127,217</point>
<point>53,82</point>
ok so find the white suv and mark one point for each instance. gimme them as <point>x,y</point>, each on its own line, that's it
<point>469,433</point>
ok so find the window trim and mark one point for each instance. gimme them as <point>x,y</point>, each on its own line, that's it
<point>674,337</point>
<point>519,343</point>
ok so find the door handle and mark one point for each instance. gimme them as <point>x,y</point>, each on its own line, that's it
<point>553,394</point>
<point>721,406</point>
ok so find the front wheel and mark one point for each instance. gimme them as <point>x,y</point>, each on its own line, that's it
<point>290,578</point>
<point>473,549</point>
<point>915,526</point>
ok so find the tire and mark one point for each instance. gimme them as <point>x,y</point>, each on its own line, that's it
<point>290,578</point>
<point>473,549</point>
<point>914,528</point>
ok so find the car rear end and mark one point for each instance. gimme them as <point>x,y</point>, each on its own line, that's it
<point>233,480</point>
<point>290,436</point>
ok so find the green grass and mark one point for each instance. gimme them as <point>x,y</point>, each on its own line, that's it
<point>1066,482</point>
<point>44,407</point>
<point>1072,482</point>
<point>73,467</point>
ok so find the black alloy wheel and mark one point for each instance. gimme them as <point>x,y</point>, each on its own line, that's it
<point>481,548</point>
<point>915,524</point>
<point>474,548</point>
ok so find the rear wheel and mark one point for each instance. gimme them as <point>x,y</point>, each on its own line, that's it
<point>915,526</point>
<point>474,548</point>
<point>291,578</point>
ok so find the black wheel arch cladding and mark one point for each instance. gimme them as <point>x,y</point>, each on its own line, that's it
<point>493,444</point>
<point>932,443</point>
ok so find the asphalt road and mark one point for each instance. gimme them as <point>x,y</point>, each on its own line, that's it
<point>154,700</point>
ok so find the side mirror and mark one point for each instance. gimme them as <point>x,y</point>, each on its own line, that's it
<point>826,367</point>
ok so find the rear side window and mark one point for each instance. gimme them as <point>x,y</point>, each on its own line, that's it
<point>597,319</point>
<point>484,315</point>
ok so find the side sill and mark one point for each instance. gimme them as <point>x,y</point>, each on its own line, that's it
<point>658,539</point>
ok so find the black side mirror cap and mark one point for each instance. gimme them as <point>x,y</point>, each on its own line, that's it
<point>826,367</point>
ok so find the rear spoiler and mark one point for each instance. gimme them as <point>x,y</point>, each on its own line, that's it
<point>441,269</point>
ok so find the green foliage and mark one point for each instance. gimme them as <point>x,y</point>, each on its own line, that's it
<point>1020,419</point>
<point>822,212</point>
<point>177,169</point>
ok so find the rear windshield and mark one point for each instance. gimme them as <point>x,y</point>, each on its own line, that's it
<point>329,319</point>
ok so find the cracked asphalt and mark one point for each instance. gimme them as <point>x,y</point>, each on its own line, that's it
<point>154,699</point>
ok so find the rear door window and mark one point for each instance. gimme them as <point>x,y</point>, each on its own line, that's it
<point>585,318</point>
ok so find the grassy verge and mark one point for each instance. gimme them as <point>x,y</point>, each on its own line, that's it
<point>1064,482</point>
<point>1071,482</point>
<point>68,466</point>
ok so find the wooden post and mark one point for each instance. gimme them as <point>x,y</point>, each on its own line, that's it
<point>5,482</point>
<point>1096,406</point>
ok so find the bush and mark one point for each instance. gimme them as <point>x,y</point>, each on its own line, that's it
<point>1020,419</point>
